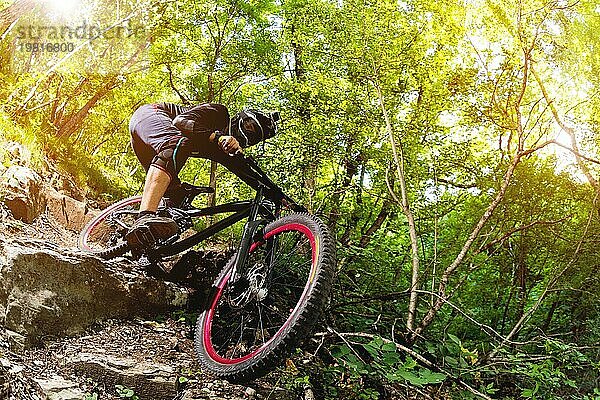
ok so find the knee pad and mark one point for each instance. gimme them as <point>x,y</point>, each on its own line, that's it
<point>164,161</point>
<point>172,155</point>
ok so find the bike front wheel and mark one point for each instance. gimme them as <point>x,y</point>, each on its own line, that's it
<point>253,321</point>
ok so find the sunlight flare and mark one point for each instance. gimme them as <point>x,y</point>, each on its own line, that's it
<point>63,8</point>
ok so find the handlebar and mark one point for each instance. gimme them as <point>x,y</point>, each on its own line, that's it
<point>284,199</point>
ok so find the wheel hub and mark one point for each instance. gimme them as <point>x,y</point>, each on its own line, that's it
<point>253,288</point>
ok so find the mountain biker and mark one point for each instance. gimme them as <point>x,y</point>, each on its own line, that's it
<point>165,135</point>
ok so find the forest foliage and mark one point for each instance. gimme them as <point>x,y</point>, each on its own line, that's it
<point>451,146</point>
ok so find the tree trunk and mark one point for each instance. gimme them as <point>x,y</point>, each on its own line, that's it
<point>522,273</point>
<point>350,170</point>
<point>381,217</point>
<point>309,171</point>
<point>404,202</point>
<point>12,13</point>
<point>549,316</point>
<point>212,182</point>
<point>75,121</point>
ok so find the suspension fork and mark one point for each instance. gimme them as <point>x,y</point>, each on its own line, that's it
<point>251,228</point>
<point>271,245</point>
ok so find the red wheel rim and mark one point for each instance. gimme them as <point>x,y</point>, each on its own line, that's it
<point>100,218</point>
<point>209,316</point>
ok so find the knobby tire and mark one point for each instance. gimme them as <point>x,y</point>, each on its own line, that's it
<point>235,356</point>
<point>100,237</point>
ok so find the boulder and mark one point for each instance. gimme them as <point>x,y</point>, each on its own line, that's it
<point>17,153</point>
<point>58,388</point>
<point>4,378</point>
<point>20,189</point>
<point>24,194</point>
<point>70,213</point>
<point>47,291</point>
<point>15,383</point>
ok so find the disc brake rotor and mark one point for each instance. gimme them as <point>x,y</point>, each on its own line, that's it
<point>250,287</point>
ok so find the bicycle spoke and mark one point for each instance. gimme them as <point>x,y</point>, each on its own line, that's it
<point>261,322</point>
<point>254,316</point>
<point>107,230</point>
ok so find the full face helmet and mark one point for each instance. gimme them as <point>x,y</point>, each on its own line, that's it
<point>250,127</point>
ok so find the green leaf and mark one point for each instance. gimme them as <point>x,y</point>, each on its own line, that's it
<point>393,377</point>
<point>411,378</point>
<point>410,363</point>
<point>454,339</point>
<point>432,377</point>
<point>355,364</point>
<point>527,393</point>
<point>570,383</point>
<point>388,347</point>
<point>374,352</point>
<point>490,389</point>
<point>377,342</point>
<point>451,361</point>
<point>391,359</point>
<point>125,392</point>
<point>340,351</point>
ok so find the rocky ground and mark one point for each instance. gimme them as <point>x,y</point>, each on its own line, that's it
<point>74,327</point>
<point>153,359</point>
<point>136,358</point>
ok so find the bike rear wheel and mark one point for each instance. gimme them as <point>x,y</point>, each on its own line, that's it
<point>251,324</point>
<point>104,235</point>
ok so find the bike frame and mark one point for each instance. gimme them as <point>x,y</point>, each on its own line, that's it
<point>247,209</point>
<point>258,212</point>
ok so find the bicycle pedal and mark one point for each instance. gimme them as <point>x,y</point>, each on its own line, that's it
<point>141,237</point>
<point>145,235</point>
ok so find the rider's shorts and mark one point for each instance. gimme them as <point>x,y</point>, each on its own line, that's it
<point>157,142</point>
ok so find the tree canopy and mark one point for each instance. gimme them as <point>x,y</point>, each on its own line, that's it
<point>452,147</point>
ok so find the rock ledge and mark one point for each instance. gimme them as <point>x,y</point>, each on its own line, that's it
<point>49,291</point>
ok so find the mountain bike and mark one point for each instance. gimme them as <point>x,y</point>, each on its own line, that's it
<point>270,293</point>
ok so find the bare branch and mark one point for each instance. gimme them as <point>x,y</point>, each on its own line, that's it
<point>519,229</point>
<point>364,299</point>
<point>567,129</point>
<point>11,14</point>
<point>67,57</point>
<point>549,287</point>
<point>467,246</point>
<point>576,153</point>
<point>485,328</point>
<point>458,185</point>
<point>183,99</point>
<point>449,271</point>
